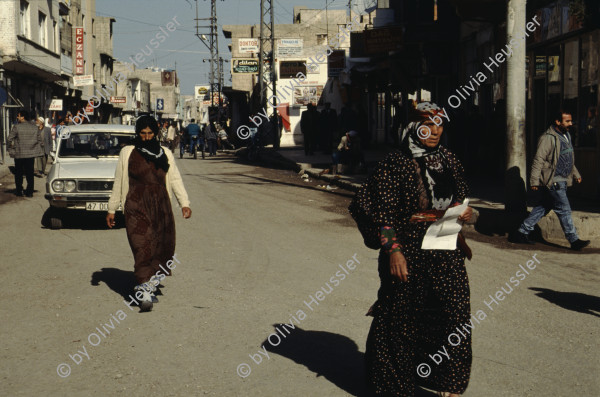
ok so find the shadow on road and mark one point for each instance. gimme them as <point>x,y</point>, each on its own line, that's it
<point>120,281</point>
<point>81,219</point>
<point>575,301</point>
<point>334,356</point>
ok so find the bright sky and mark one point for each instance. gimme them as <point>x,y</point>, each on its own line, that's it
<point>138,21</point>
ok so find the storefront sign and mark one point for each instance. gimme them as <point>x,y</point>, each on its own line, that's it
<point>78,51</point>
<point>89,108</point>
<point>118,99</point>
<point>290,48</point>
<point>304,95</point>
<point>248,46</point>
<point>200,91</point>
<point>86,79</point>
<point>244,65</point>
<point>290,69</point>
<point>336,62</point>
<point>56,104</point>
<point>383,39</point>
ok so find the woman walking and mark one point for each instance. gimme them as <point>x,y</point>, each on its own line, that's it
<point>145,177</point>
<point>424,294</point>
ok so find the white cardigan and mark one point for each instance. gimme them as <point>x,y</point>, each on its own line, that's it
<point>121,185</point>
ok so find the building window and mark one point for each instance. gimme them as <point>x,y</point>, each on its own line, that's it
<point>24,18</point>
<point>43,30</point>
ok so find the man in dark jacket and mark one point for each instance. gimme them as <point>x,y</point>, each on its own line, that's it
<point>309,124</point>
<point>553,170</point>
<point>328,128</point>
<point>210,132</point>
<point>24,145</point>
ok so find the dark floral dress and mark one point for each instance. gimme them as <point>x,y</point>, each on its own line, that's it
<point>413,319</point>
<point>148,218</point>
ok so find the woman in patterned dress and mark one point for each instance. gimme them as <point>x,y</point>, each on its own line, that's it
<point>146,175</point>
<point>424,294</point>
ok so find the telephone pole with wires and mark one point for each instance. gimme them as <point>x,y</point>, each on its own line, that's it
<point>266,62</point>
<point>212,43</point>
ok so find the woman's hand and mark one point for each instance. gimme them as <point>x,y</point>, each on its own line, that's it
<point>398,267</point>
<point>110,220</point>
<point>466,215</point>
<point>187,212</point>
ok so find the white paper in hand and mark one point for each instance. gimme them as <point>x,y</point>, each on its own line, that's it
<point>442,234</point>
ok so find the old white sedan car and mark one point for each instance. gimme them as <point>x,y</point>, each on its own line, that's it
<point>83,172</point>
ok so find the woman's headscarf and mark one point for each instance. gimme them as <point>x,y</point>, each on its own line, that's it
<point>435,173</point>
<point>150,149</point>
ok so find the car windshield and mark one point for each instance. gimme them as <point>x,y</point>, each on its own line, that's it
<point>94,144</point>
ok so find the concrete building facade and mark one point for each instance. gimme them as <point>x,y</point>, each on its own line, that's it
<point>302,72</point>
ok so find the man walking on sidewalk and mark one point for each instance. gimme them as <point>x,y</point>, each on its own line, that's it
<point>553,170</point>
<point>24,145</point>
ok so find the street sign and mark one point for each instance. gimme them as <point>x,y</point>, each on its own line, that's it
<point>160,104</point>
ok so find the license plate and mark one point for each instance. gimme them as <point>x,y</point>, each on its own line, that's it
<point>96,206</point>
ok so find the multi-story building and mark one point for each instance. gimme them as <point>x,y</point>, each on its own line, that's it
<point>30,60</point>
<point>92,54</point>
<point>148,90</point>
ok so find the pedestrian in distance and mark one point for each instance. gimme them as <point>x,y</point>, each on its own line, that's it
<point>552,172</point>
<point>223,138</point>
<point>424,294</point>
<point>309,124</point>
<point>145,178</point>
<point>193,135</point>
<point>210,133</point>
<point>40,162</point>
<point>24,145</point>
<point>171,133</point>
<point>349,153</point>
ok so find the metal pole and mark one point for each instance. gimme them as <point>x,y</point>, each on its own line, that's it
<point>516,165</point>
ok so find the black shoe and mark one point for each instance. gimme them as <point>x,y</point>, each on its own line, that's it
<point>520,238</point>
<point>579,244</point>
<point>19,194</point>
<point>29,194</point>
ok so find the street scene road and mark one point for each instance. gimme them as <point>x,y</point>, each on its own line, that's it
<point>264,198</point>
<point>260,243</point>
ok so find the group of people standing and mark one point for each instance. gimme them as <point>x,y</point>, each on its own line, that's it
<point>31,142</point>
<point>338,136</point>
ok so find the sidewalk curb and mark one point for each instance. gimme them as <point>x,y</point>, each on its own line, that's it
<point>586,223</point>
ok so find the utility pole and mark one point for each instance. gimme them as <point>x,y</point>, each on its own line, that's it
<point>349,11</point>
<point>266,62</point>
<point>213,47</point>
<point>516,164</point>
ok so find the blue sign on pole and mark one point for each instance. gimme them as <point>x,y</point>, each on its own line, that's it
<point>160,104</point>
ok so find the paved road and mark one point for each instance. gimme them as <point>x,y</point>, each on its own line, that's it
<point>259,244</point>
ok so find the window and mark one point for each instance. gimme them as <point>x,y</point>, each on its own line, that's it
<point>24,19</point>
<point>43,30</point>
